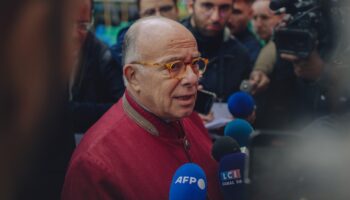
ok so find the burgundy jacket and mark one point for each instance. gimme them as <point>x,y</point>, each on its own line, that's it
<point>132,154</point>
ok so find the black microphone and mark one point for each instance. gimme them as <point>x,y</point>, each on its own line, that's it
<point>223,146</point>
<point>231,168</point>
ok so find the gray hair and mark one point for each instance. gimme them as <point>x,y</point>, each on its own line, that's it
<point>130,52</point>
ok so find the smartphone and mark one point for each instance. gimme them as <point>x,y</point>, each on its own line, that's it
<point>204,102</point>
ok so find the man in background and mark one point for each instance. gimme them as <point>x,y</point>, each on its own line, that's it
<point>96,80</point>
<point>238,23</point>
<point>229,62</point>
<point>264,22</point>
<point>264,19</point>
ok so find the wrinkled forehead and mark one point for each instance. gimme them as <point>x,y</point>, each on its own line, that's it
<point>170,38</point>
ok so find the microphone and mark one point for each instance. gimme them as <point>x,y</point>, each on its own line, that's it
<point>189,183</point>
<point>231,169</point>
<point>240,130</point>
<point>241,104</point>
<point>223,146</point>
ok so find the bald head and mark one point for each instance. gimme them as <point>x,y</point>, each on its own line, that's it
<point>150,37</point>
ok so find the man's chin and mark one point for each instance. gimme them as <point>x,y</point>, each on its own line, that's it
<point>211,33</point>
<point>184,113</point>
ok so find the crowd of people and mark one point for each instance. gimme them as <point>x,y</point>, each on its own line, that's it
<point>134,102</point>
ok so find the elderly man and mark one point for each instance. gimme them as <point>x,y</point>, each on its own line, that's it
<point>135,148</point>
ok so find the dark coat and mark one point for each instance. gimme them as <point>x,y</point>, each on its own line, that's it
<point>98,84</point>
<point>229,62</point>
<point>250,42</point>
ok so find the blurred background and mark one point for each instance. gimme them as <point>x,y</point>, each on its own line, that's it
<point>113,15</point>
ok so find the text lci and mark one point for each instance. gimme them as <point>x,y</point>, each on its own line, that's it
<point>231,177</point>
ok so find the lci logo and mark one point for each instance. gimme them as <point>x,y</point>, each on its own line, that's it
<point>231,177</point>
<point>191,180</point>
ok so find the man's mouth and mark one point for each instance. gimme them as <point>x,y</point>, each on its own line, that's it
<point>186,99</point>
<point>214,27</point>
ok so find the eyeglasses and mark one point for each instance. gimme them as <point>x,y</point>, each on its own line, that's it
<point>162,10</point>
<point>208,8</point>
<point>177,69</point>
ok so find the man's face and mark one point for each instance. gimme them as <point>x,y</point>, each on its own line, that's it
<point>164,8</point>
<point>82,19</point>
<point>210,16</point>
<point>168,97</point>
<point>241,14</point>
<point>264,20</point>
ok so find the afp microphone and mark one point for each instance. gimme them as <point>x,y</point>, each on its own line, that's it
<point>189,183</point>
<point>240,130</point>
<point>231,170</point>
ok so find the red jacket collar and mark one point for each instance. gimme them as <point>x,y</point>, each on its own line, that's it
<point>150,122</point>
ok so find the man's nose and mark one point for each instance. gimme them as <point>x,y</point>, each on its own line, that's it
<point>190,77</point>
<point>257,23</point>
<point>158,13</point>
<point>215,14</point>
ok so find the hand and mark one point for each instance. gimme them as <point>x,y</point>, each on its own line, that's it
<point>207,118</point>
<point>200,87</point>
<point>259,81</point>
<point>309,68</point>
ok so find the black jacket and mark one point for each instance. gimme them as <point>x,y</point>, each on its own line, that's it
<point>248,39</point>
<point>229,62</point>
<point>98,84</point>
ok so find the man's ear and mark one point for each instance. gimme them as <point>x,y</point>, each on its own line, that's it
<point>132,77</point>
<point>190,4</point>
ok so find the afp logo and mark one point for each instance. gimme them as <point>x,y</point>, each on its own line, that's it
<point>191,180</point>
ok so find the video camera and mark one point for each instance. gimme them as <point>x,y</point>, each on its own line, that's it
<point>308,26</point>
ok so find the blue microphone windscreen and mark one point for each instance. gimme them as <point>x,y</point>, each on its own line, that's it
<point>231,174</point>
<point>239,130</point>
<point>241,104</point>
<point>189,183</point>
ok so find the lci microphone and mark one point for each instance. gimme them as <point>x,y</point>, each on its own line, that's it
<point>189,183</point>
<point>231,170</point>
